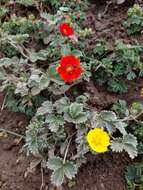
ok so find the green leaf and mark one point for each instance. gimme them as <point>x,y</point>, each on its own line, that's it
<point>22,89</point>
<point>108,116</point>
<point>77,53</point>
<point>121,127</point>
<point>54,121</point>
<point>55,163</point>
<point>62,105</point>
<point>82,98</point>
<point>70,170</point>
<point>7,61</point>
<point>64,9</point>
<point>134,176</point>
<point>61,170</point>
<point>75,114</point>
<point>57,177</point>
<point>104,119</point>
<point>35,91</point>
<point>108,120</point>
<point>65,50</point>
<point>54,76</point>
<point>26,2</point>
<point>121,107</point>
<point>131,75</point>
<point>44,81</point>
<point>35,142</point>
<point>117,86</point>
<point>3,11</point>
<point>38,81</point>
<point>42,55</point>
<point>47,107</point>
<point>127,143</point>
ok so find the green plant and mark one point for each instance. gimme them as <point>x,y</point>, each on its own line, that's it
<point>26,2</point>
<point>61,122</point>
<point>3,11</point>
<point>22,25</point>
<point>134,22</point>
<point>134,176</point>
<point>124,62</point>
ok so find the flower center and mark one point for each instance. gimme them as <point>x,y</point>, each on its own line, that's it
<point>69,69</point>
<point>97,141</point>
<point>65,31</point>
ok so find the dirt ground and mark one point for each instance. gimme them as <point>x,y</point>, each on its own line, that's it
<point>104,172</point>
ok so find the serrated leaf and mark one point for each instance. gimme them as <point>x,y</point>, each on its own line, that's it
<point>121,107</point>
<point>81,118</point>
<point>117,145</point>
<point>57,177</point>
<point>108,115</point>
<point>121,127</point>
<point>54,121</point>
<point>55,163</point>
<point>60,170</point>
<point>70,170</point>
<point>110,127</point>
<point>41,55</point>
<point>127,143</point>
<point>131,150</point>
<point>82,98</point>
<point>75,109</point>
<point>47,107</point>
<point>75,114</point>
<point>62,105</point>
<point>131,75</point>
<point>98,120</point>
<point>108,120</point>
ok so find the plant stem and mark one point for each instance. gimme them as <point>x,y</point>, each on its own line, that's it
<point>19,49</point>
<point>3,104</point>
<point>42,176</point>
<point>66,152</point>
<point>12,133</point>
<point>131,117</point>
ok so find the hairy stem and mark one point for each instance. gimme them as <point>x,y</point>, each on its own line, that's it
<point>66,152</point>
<point>12,133</point>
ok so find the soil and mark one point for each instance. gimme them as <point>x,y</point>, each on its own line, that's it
<point>110,24</point>
<point>104,172</point>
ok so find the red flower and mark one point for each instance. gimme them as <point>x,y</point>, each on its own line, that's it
<point>66,29</point>
<point>69,68</point>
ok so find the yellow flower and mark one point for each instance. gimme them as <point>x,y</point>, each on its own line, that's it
<point>98,140</point>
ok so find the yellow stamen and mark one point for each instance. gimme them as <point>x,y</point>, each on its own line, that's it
<point>69,69</point>
<point>65,31</point>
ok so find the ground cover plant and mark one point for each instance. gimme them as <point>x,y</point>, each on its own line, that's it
<point>46,71</point>
<point>134,22</point>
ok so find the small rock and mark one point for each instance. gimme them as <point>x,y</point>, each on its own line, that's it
<point>4,177</point>
<point>1,184</point>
